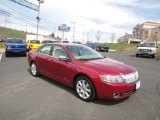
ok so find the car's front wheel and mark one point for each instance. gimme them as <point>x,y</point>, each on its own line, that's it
<point>85,89</point>
<point>6,54</point>
<point>137,55</point>
<point>34,69</point>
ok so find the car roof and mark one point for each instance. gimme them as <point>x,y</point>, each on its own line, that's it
<point>148,42</point>
<point>65,44</point>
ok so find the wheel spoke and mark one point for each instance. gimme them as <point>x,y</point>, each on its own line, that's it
<point>83,83</point>
<point>88,90</point>
<point>83,94</point>
<point>87,94</point>
<point>79,87</point>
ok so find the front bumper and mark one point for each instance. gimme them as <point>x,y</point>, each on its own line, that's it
<point>145,53</point>
<point>117,91</point>
<point>15,50</point>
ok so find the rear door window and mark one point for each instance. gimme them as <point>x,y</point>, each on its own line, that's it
<point>46,49</point>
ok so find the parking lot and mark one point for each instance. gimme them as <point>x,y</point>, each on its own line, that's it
<point>24,97</point>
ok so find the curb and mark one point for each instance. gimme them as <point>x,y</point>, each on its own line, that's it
<point>2,50</point>
<point>112,50</point>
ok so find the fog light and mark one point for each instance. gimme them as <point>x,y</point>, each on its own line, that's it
<point>115,95</point>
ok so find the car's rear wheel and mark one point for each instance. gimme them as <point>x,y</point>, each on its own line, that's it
<point>153,56</point>
<point>34,69</point>
<point>85,89</point>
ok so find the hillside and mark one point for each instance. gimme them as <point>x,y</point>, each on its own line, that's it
<point>11,33</point>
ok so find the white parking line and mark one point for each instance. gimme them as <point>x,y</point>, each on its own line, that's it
<point>0,56</point>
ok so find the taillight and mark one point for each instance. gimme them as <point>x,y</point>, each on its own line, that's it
<point>6,46</point>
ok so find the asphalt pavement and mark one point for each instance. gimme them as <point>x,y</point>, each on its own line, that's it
<point>24,97</point>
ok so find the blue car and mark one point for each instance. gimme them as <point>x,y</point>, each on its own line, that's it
<point>91,45</point>
<point>13,45</point>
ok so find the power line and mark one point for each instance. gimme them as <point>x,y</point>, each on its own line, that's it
<point>25,21</point>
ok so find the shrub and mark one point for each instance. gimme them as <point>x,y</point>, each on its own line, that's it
<point>158,53</point>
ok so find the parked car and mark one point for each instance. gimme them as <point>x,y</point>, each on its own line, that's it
<point>1,40</point>
<point>15,45</point>
<point>33,44</point>
<point>91,45</point>
<point>102,48</point>
<point>84,69</point>
<point>65,41</point>
<point>47,41</point>
<point>76,42</point>
<point>147,49</point>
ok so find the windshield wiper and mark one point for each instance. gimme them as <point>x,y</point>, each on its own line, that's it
<point>96,58</point>
<point>91,58</point>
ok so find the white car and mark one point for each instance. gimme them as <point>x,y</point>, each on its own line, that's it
<point>147,49</point>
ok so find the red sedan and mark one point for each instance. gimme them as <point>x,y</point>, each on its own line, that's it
<point>86,70</point>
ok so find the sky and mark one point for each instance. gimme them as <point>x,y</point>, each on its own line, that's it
<point>106,16</point>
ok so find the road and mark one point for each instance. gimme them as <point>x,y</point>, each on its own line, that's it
<point>23,97</point>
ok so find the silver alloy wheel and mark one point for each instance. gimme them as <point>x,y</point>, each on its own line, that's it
<point>83,89</point>
<point>33,69</point>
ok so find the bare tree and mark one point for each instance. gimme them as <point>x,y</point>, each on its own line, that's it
<point>98,36</point>
<point>152,37</point>
<point>143,34</point>
<point>113,37</point>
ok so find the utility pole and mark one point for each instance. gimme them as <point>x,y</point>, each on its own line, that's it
<point>38,18</point>
<point>83,36</point>
<point>113,37</point>
<point>74,30</point>
<point>87,36</point>
<point>98,36</point>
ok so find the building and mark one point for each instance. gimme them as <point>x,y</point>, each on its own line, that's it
<point>126,38</point>
<point>143,31</point>
<point>147,31</point>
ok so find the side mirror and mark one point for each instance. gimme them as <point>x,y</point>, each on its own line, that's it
<point>63,58</point>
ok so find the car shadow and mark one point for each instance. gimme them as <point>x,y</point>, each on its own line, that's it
<point>142,56</point>
<point>71,91</point>
<point>56,83</point>
<point>108,102</point>
<point>16,55</point>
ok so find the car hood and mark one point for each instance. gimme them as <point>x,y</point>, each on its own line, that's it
<point>15,43</point>
<point>107,66</point>
<point>147,48</point>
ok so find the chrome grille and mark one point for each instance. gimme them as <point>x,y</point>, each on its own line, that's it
<point>145,50</point>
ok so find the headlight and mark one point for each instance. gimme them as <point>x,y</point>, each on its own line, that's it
<point>136,75</point>
<point>109,78</point>
<point>153,51</point>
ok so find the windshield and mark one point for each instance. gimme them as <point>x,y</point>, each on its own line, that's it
<point>14,41</point>
<point>35,41</point>
<point>84,53</point>
<point>147,45</point>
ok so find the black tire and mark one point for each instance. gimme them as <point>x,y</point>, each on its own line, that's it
<point>6,54</point>
<point>34,70</point>
<point>86,90</point>
<point>28,49</point>
<point>24,54</point>
<point>137,55</point>
<point>153,56</point>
